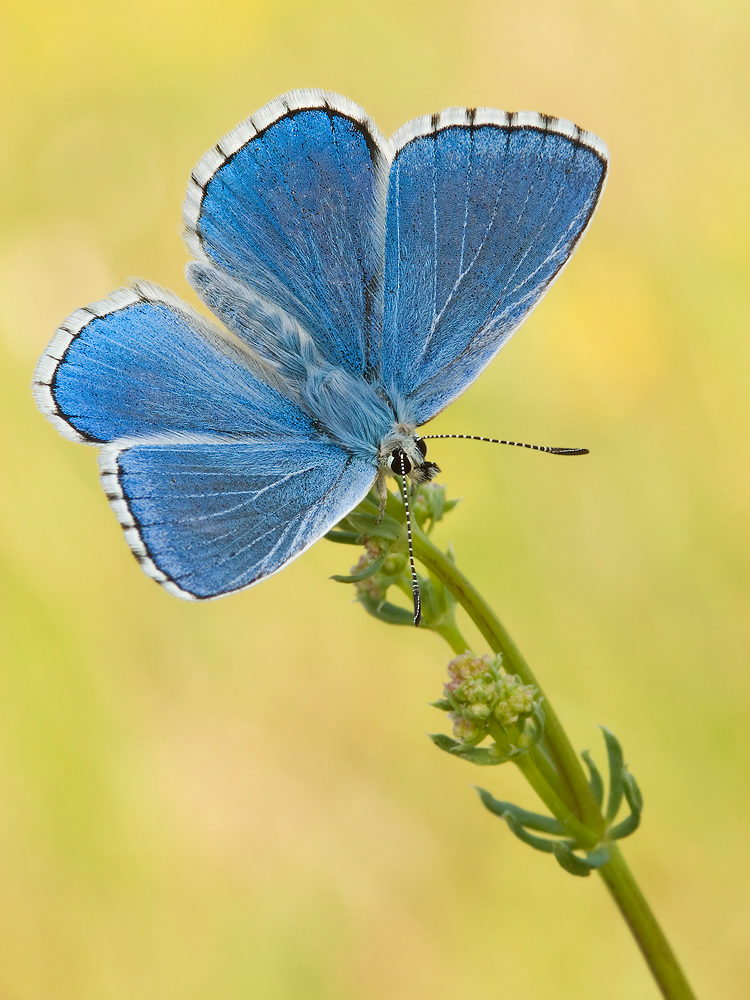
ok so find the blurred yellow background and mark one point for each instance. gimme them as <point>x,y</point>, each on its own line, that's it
<point>223,801</point>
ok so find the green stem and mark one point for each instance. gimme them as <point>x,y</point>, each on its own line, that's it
<point>576,790</point>
<point>651,940</point>
<point>549,774</point>
<point>554,803</point>
<point>564,785</point>
<point>445,626</point>
<point>452,635</point>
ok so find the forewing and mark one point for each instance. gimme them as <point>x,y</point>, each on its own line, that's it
<point>291,204</point>
<point>141,363</point>
<point>484,209</point>
<point>217,478</point>
<point>210,516</point>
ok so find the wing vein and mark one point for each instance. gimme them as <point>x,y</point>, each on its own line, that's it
<point>364,335</point>
<point>485,236</point>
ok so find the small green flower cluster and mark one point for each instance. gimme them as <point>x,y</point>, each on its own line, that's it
<point>385,562</point>
<point>392,567</point>
<point>480,695</point>
<point>430,505</point>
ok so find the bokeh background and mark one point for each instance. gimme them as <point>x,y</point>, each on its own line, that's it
<point>238,799</point>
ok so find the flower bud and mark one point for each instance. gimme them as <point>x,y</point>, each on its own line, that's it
<point>394,564</point>
<point>371,587</point>
<point>479,693</point>
<point>429,502</point>
<point>374,547</point>
<point>465,730</point>
<point>477,712</point>
<point>515,700</point>
<point>468,667</point>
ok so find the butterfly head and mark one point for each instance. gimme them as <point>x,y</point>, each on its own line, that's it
<point>400,464</point>
<point>404,454</point>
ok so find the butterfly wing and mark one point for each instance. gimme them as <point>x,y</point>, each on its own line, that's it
<point>484,209</point>
<point>217,479</point>
<point>141,363</point>
<point>289,206</point>
<point>210,516</point>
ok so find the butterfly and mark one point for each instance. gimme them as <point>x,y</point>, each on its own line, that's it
<point>363,284</point>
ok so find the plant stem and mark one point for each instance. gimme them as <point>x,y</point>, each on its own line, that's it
<point>552,800</point>
<point>572,790</point>
<point>576,788</point>
<point>446,627</point>
<point>651,940</point>
<point>452,636</point>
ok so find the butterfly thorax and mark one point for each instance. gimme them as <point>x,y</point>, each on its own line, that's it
<point>367,419</point>
<point>362,418</point>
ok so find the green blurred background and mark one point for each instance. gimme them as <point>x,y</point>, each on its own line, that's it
<point>223,801</point>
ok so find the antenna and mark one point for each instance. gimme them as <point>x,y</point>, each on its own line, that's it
<point>515,444</point>
<point>414,580</point>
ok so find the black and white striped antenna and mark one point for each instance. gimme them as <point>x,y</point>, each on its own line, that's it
<point>414,580</point>
<point>515,444</point>
<point>400,465</point>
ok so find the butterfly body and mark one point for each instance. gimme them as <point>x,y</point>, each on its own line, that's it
<point>364,284</point>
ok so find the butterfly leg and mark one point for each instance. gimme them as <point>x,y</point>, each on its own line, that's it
<point>381,492</point>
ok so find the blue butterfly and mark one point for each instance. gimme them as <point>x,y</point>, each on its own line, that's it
<point>365,283</point>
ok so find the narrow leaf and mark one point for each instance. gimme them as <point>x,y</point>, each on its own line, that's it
<point>443,742</point>
<point>343,537</point>
<point>635,800</point>
<point>629,825</point>
<point>597,857</point>
<point>570,861</point>
<point>533,821</point>
<point>368,571</point>
<point>632,792</point>
<point>389,613</point>
<point>368,525</point>
<point>616,767</point>
<point>483,756</point>
<point>595,779</point>
<point>539,843</point>
<point>431,610</point>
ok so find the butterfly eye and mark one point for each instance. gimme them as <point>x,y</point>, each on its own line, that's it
<point>422,445</point>
<point>399,463</point>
